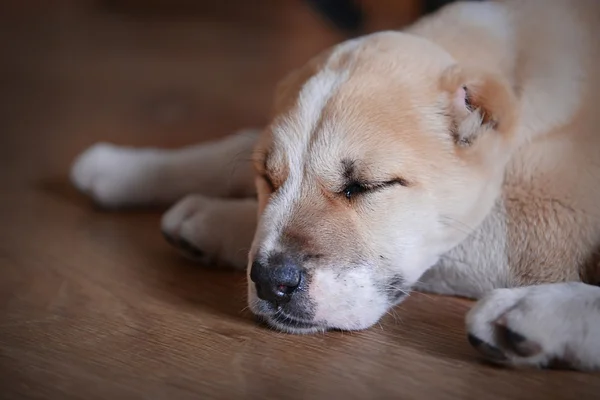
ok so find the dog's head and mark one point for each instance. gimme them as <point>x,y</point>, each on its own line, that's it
<point>381,153</point>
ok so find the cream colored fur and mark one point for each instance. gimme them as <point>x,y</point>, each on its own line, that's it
<point>502,194</point>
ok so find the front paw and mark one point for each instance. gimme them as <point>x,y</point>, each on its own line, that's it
<point>211,231</point>
<point>114,176</point>
<point>548,326</point>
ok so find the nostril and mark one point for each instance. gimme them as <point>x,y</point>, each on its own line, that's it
<point>257,271</point>
<point>287,276</point>
<point>290,286</point>
<point>276,282</point>
<point>287,289</point>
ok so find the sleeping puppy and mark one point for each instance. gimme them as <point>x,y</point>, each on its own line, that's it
<point>459,156</point>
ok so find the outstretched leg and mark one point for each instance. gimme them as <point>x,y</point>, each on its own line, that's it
<point>117,176</point>
<point>551,325</point>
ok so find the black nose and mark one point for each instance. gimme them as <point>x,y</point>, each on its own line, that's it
<point>277,281</point>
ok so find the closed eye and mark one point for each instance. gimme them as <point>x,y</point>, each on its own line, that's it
<point>356,188</point>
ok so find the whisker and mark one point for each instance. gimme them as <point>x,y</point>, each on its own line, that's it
<point>244,309</point>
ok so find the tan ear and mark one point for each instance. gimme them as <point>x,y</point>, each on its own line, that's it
<point>479,103</point>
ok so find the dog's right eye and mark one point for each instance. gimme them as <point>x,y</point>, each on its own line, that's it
<point>357,188</point>
<point>353,189</point>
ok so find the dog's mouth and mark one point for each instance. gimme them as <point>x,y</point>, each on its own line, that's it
<point>289,324</point>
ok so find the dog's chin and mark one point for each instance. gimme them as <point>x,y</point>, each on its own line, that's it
<point>281,320</point>
<point>288,324</point>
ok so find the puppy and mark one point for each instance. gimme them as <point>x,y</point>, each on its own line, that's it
<point>459,156</point>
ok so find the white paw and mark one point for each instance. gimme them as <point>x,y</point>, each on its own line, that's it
<point>550,326</point>
<point>114,176</point>
<point>212,231</point>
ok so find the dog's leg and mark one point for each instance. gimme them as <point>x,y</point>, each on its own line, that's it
<point>117,176</point>
<point>552,325</point>
<point>212,231</point>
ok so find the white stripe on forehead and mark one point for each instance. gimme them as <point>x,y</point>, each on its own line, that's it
<point>300,127</point>
<point>291,137</point>
<point>294,132</point>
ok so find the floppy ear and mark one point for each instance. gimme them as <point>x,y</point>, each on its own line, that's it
<point>480,104</point>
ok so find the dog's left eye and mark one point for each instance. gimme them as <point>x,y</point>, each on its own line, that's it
<point>353,189</point>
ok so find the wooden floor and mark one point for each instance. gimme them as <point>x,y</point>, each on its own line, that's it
<point>96,305</point>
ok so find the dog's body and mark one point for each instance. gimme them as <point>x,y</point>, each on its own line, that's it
<point>459,157</point>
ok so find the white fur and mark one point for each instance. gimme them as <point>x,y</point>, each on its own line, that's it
<point>478,265</point>
<point>562,319</point>
<point>366,305</point>
<point>117,176</point>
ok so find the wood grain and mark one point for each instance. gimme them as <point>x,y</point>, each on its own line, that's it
<point>95,305</point>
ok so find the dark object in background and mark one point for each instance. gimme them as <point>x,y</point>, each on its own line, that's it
<point>432,5</point>
<point>347,15</point>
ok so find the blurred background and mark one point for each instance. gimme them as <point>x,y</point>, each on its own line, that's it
<point>148,72</point>
<point>96,305</point>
